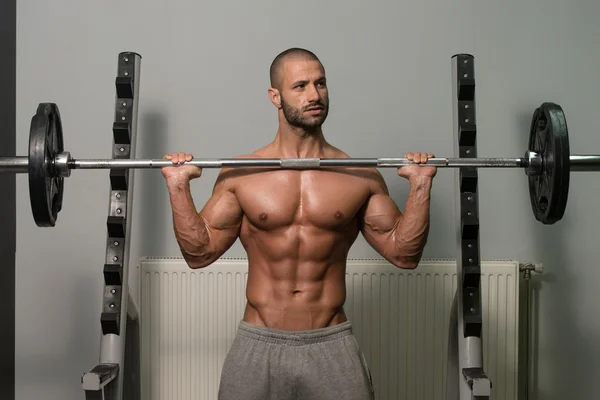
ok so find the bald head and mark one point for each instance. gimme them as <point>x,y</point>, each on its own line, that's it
<point>294,53</point>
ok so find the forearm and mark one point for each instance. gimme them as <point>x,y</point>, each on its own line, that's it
<point>190,229</point>
<point>412,229</point>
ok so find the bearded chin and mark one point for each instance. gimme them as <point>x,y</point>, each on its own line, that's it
<point>295,118</point>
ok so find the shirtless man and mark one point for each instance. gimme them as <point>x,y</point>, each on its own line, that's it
<point>297,226</point>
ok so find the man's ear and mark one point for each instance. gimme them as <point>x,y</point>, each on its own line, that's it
<point>275,97</point>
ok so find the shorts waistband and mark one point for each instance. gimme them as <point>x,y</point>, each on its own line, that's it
<point>294,338</point>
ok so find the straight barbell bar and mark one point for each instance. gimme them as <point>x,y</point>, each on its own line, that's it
<point>532,162</point>
<point>547,163</point>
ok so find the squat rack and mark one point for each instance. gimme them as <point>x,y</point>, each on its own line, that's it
<point>117,374</point>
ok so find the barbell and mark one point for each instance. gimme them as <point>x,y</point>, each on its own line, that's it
<point>547,163</point>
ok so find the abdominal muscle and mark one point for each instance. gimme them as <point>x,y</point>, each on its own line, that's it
<point>296,277</point>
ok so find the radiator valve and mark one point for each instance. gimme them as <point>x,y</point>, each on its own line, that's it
<point>528,268</point>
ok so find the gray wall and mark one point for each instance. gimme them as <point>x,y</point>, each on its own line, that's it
<point>8,206</point>
<point>204,90</point>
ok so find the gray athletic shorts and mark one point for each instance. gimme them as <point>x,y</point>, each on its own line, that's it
<point>318,364</point>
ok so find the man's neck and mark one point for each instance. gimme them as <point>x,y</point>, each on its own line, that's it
<point>294,142</point>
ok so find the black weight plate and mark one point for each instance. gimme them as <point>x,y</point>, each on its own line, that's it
<point>549,137</point>
<point>45,186</point>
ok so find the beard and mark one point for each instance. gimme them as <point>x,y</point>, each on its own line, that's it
<point>296,117</point>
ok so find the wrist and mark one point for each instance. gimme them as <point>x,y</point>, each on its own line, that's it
<point>420,181</point>
<point>177,184</point>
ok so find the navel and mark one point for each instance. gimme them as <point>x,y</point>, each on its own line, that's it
<point>263,216</point>
<point>339,215</point>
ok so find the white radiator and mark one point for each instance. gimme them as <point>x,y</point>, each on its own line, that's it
<point>400,318</point>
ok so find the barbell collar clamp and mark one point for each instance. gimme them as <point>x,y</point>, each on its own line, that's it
<point>61,164</point>
<point>534,163</point>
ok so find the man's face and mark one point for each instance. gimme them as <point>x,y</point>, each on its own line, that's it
<point>303,94</point>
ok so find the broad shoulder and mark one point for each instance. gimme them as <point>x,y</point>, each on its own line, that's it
<point>229,177</point>
<point>335,152</point>
<point>369,175</point>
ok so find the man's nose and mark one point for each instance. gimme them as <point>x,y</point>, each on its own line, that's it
<point>313,94</point>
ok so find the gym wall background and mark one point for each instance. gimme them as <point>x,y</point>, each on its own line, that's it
<point>203,89</point>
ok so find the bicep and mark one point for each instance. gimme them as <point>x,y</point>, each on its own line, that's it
<point>222,211</point>
<point>380,215</point>
<point>222,215</point>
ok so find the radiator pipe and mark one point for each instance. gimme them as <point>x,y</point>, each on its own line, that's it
<point>527,277</point>
<point>527,270</point>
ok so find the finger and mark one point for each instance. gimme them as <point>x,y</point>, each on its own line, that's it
<point>409,156</point>
<point>423,157</point>
<point>181,158</point>
<point>167,156</point>
<point>188,157</point>
<point>417,157</point>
